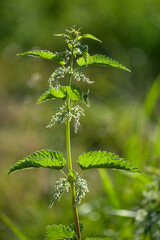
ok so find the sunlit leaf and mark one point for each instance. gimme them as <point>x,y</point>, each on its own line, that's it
<point>59,232</point>
<point>74,93</point>
<point>105,160</point>
<point>53,93</point>
<point>44,54</point>
<point>43,158</point>
<point>62,35</point>
<point>98,238</point>
<point>89,36</point>
<point>100,60</point>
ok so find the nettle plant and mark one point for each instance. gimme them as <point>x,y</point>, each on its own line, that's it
<point>72,62</point>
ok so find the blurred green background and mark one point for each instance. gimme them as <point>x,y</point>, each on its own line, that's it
<point>123,117</point>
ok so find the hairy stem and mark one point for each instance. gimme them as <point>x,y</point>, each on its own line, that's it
<point>68,147</point>
<point>75,212</point>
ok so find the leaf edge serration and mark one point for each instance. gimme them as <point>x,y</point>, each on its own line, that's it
<point>31,161</point>
<point>109,163</point>
<point>101,60</point>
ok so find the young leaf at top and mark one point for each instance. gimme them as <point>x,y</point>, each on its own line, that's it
<point>89,36</point>
<point>43,158</point>
<point>100,60</point>
<point>105,160</point>
<point>83,50</point>
<point>59,232</point>
<point>61,35</point>
<point>44,54</point>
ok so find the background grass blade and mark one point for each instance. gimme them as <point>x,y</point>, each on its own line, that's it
<point>13,227</point>
<point>109,189</point>
<point>152,96</point>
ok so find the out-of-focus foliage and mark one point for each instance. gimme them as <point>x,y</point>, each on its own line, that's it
<point>148,213</point>
<point>123,116</point>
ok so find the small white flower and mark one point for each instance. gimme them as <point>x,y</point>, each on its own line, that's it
<point>61,186</point>
<point>81,188</point>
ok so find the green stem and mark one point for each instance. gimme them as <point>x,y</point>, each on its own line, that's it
<point>75,212</point>
<point>68,148</point>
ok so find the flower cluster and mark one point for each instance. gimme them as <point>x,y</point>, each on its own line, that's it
<point>58,74</point>
<point>73,39</point>
<point>81,189</point>
<point>64,114</point>
<point>147,220</point>
<point>59,117</point>
<point>79,76</point>
<point>61,72</point>
<point>76,112</point>
<point>61,186</point>
<point>67,55</point>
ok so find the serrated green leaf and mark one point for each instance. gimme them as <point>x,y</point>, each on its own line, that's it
<point>44,54</point>
<point>104,159</point>
<point>59,232</point>
<point>74,93</point>
<point>100,60</point>
<point>89,36</point>
<point>43,158</point>
<point>72,226</point>
<point>53,93</point>
<point>97,238</point>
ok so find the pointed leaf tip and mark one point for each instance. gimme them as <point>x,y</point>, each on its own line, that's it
<point>89,36</point>
<point>53,93</point>
<point>43,158</point>
<point>104,159</point>
<point>44,54</point>
<point>100,60</point>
